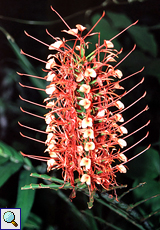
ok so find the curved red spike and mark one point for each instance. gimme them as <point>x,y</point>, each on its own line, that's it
<point>27,127</point>
<point>30,87</point>
<point>31,102</point>
<point>32,114</point>
<point>33,139</point>
<point>35,157</point>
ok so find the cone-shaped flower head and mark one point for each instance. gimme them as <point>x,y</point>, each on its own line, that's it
<point>84,121</point>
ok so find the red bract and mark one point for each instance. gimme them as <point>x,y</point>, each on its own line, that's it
<point>85,126</point>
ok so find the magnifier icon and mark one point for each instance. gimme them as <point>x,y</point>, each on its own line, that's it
<point>9,217</point>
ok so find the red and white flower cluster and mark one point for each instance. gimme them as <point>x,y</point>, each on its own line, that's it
<point>85,127</point>
<point>84,124</point>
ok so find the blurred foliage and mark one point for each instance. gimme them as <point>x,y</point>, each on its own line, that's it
<point>50,209</point>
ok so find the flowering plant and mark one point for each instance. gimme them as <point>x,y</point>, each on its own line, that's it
<point>85,125</point>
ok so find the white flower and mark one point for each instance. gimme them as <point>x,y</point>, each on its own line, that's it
<point>121,169</point>
<point>55,45</point>
<point>80,149</point>
<point>50,89</point>
<point>122,157</point>
<point>108,44</point>
<point>50,164</point>
<point>89,146</point>
<point>49,118</point>
<point>119,105</point>
<point>80,77</point>
<point>49,137</point>
<point>85,88</point>
<point>101,113</point>
<point>50,76</point>
<point>85,103</point>
<point>122,143</point>
<point>90,73</point>
<point>80,27</point>
<point>88,133</point>
<point>123,130</point>
<point>50,105</point>
<point>86,178</point>
<point>71,31</point>
<point>119,117</point>
<point>50,128</point>
<point>86,162</point>
<point>87,122</point>
<point>118,73</point>
<point>53,154</point>
<point>50,63</point>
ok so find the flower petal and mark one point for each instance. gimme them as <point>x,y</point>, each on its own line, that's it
<point>108,44</point>
<point>50,164</point>
<point>88,133</point>
<point>119,105</point>
<point>123,130</point>
<point>86,178</point>
<point>85,103</point>
<point>72,31</point>
<point>56,45</point>
<point>80,77</point>
<point>121,168</point>
<point>50,63</point>
<point>89,146</point>
<point>90,73</point>
<point>122,157</point>
<point>80,27</point>
<point>122,143</point>
<point>118,73</point>
<point>86,162</point>
<point>87,122</point>
<point>85,88</point>
<point>50,89</point>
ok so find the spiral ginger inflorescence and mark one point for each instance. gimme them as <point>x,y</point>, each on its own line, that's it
<point>85,126</point>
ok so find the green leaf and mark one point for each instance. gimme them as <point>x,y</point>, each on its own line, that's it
<point>140,34</point>
<point>80,218</point>
<point>23,62</point>
<point>4,150</point>
<point>144,39</point>
<point>26,64</point>
<point>151,188</point>
<point>4,203</point>
<point>46,177</point>
<point>146,165</point>
<point>92,82</point>
<point>8,152</point>
<point>3,159</point>
<point>130,190</point>
<point>119,21</point>
<point>52,186</point>
<point>27,163</point>
<point>153,68</point>
<point>124,214</point>
<point>91,219</point>
<point>101,221</point>
<point>135,61</point>
<point>25,199</point>
<point>33,222</point>
<point>7,170</point>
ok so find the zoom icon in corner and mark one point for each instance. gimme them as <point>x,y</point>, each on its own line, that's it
<point>10,218</point>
